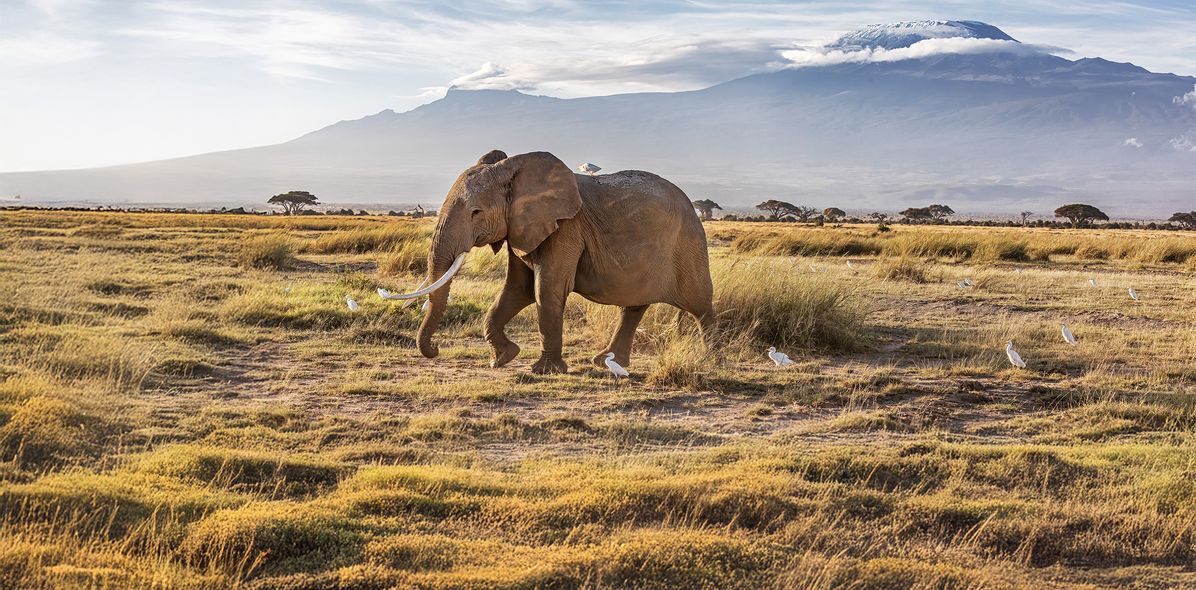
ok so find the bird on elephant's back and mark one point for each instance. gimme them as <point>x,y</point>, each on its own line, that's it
<point>629,239</point>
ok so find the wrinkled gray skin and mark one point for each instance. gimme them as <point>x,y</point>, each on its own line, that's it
<point>629,239</point>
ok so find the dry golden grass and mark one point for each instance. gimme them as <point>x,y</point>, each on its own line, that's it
<point>174,414</point>
<point>961,243</point>
<point>272,251</point>
<point>780,307</point>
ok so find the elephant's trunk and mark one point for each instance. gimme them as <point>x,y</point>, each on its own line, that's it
<point>443,258</point>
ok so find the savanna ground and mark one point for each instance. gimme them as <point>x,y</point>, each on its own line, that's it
<point>186,401</point>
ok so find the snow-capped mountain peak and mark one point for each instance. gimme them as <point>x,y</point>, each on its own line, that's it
<point>906,33</point>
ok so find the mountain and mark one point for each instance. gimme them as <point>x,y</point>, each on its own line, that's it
<point>884,118</point>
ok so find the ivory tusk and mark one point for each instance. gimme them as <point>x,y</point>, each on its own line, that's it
<point>421,286</point>
<point>448,275</point>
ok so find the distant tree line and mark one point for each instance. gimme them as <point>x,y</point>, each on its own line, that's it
<point>297,203</point>
<point>1075,214</point>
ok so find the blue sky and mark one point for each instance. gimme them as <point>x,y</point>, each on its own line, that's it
<point>98,82</point>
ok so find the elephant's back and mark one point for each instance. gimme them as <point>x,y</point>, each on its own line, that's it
<point>637,191</point>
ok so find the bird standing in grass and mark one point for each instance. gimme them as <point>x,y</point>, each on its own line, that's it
<point>351,303</point>
<point>589,168</point>
<point>1133,294</point>
<point>779,359</point>
<point>1014,357</point>
<point>962,285</point>
<point>1067,335</point>
<point>968,282</point>
<point>615,369</point>
<point>1092,282</point>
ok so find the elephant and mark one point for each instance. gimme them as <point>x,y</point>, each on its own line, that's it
<point>629,239</point>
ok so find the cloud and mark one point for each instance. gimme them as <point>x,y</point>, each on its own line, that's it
<point>565,47</point>
<point>1132,142</point>
<point>1186,99</point>
<point>808,57</point>
<point>1185,142</point>
<point>491,77</point>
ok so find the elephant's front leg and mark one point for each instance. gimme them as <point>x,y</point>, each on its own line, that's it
<point>551,293</point>
<point>517,293</point>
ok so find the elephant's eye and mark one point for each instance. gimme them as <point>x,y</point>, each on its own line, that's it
<point>476,211</point>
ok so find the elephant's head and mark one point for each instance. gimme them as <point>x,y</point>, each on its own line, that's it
<point>519,199</point>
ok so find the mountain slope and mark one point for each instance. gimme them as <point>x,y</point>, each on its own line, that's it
<point>991,131</point>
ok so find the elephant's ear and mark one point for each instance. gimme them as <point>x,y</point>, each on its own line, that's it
<point>543,192</point>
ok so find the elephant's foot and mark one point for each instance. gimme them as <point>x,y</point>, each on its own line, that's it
<point>547,365</point>
<point>623,358</point>
<point>502,353</point>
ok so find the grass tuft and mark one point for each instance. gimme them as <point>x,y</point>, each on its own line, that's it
<point>271,251</point>
<point>901,269</point>
<point>780,308</point>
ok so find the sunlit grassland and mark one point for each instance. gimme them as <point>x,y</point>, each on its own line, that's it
<point>186,401</point>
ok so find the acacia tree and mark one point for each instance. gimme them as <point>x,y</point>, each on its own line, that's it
<point>777,209</point>
<point>1187,220</point>
<point>915,214</point>
<point>804,213</point>
<point>293,202</point>
<point>706,208</point>
<point>1080,214</point>
<point>833,214</point>
<point>1025,215</point>
<point>940,211</point>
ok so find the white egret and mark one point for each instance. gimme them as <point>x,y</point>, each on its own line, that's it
<point>968,282</point>
<point>614,368</point>
<point>383,293</point>
<point>1133,294</point>
<point>351,303</point>
<point>1092,282</point>
<point>962,285</point>
<point>589,168</point>
<point>1067,335</point>
<point>1014,357</point>
<point>779,359</point>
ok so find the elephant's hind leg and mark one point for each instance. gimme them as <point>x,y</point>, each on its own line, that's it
<point>703,312</point>
<point>620,342</point>
<point>517,293</point>
<point>695,297</point>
